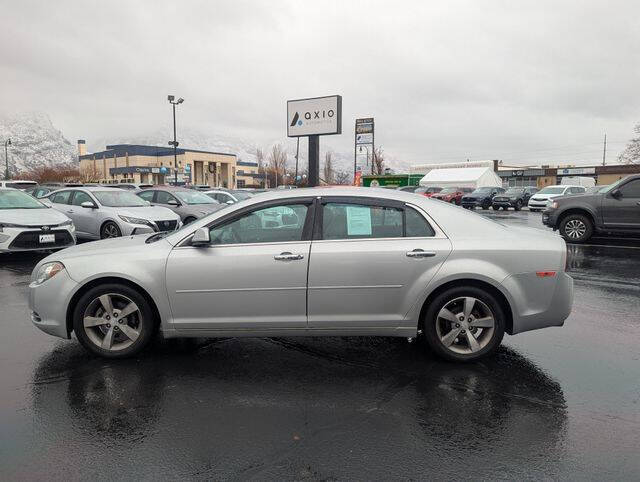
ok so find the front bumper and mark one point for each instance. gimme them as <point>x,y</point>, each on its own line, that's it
<point>27,239</point>
<point>48,303</point>
<point>538,204</point>
<point>550,218</point>
<point>508,204</point>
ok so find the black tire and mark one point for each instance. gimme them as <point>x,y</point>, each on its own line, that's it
<point>142,321</point>
<point>430,322</point>
<point>496,208</point>
<point>189,220</point>
<point>518,205</point>
<point>576,228</point>
<point>110,230</point>
<point>486,206</point>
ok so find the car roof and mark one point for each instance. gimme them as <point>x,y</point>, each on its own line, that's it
<point>167,188</point>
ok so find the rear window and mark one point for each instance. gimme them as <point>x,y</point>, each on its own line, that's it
<point>21,185</point>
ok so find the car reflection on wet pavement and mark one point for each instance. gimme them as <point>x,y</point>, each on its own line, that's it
<point>558,403</point>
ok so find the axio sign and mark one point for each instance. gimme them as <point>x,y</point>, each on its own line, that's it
<point>314,117</point>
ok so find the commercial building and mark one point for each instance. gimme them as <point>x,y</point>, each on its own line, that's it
<point>121,163</point>
<point>511,176</point>
<point>248,175</point>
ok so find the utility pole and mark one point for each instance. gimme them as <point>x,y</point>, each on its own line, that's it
<point>174,143</point>
<point>6,159</point>
<point>604,151</point>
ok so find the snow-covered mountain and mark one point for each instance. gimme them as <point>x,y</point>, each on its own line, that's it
<point>35,142</point>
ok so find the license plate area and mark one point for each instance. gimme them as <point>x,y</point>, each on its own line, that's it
<point>47,238</point>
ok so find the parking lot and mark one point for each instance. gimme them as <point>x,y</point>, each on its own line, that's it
<point>560,403</point>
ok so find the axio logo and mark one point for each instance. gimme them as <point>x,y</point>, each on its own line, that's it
<point>296,120</point>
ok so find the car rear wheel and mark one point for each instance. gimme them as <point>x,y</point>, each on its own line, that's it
<point>496,208</point>
<point>110,230</point>
<point>518,205</point>
<point>113,321</point>
<point>576,228</point>
<point>464,324</point>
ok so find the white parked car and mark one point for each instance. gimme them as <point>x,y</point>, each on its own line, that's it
<point>539,200</point>
<point>224,196</point>
<point>28,225</point>
<point>18,184</point>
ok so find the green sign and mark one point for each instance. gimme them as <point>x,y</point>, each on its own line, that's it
<point>392,180</point>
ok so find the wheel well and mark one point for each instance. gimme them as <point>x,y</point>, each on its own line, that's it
<point>107,221</point>
<point>504,304</point>
<point>111,279</point>
<point>583,212</point>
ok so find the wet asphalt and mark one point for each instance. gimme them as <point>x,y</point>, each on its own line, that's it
<point>560,403</point>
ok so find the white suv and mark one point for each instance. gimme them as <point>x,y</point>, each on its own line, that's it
<point>539,200</point>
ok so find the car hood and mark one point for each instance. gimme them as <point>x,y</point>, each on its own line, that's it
<point>32,217</point>
<point>546,196</point>
<point>588,198</point>
<point>102,248</point>
<point>152,213</point>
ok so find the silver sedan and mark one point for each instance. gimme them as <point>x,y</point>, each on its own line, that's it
<point>339,261</point>
<point>107,212</point>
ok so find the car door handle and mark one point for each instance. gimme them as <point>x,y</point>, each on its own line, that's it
<point>287,256</point>
<point>420,253</point>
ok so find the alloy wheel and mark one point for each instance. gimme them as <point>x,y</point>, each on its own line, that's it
<point>111,231</point>
<point>465,325</point>
<point>575,229</point>
<point>112,322</point>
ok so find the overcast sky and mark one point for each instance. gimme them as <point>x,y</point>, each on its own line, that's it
<point>519,81</point>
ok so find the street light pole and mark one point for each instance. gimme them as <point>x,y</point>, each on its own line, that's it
<point>174,143</point>
<point>6,159</point>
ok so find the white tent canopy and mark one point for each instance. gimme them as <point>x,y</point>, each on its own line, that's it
<point>462,177</point>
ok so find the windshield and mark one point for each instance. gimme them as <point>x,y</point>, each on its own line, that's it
<point>194,197</point>
<point>119,199</point>
<point>552,190</point>
<point>513,192</point>
<point>18,200</point>
<point>241,195</point>
<point>449,190</point>
<point>22,184</point>
<point>611,187</point>
<point>483,190</point>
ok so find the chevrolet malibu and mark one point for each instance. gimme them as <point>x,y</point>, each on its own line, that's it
<point>338,261</point>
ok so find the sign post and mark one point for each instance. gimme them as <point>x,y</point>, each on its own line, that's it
<point>364,137</point>
<point>312,118</point>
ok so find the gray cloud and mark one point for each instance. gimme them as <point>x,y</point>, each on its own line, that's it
<point>523,81</point>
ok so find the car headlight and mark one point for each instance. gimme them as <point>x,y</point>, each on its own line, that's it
<point>552,204</point>
<point>130,220</point>
<point>7,225</point>
<point>47,271</point>
<point>68,222</point>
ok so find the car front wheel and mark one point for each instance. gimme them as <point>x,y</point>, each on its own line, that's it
<point>464,324</point>
<point>496,208</point>
<point>576,228</point>
<point>110,230</point>
<point>113,321</point>
<point>518,205</point>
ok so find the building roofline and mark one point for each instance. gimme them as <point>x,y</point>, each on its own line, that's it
<point>145,150</point>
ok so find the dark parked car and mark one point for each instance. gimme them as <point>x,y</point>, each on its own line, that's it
<point>514,197</point>
<point>481,197</point>
<point>452,195</point>
<point>39,191</point>
<point>613,209</point>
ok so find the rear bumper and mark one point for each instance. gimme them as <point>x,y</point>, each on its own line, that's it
<point>539,302</point>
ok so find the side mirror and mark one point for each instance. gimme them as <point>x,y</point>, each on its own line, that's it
<point>616,193</point>
<point>88,205</point>
<point>229,202</point>
<point>173,202</point>
<point>201,237</point>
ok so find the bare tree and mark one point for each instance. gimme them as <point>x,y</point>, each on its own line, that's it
<point>328,170</point>
<point>631,153</point>
<point>343,177</point>
<point>278,160</point>
<point>262,166</point>
<point>378,161</point>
